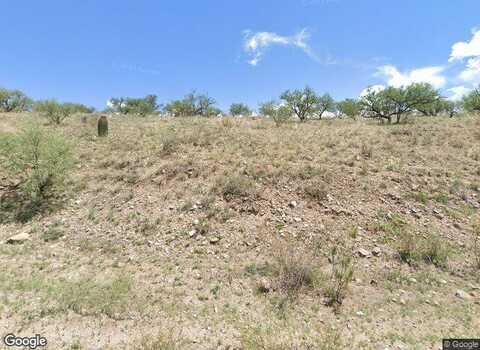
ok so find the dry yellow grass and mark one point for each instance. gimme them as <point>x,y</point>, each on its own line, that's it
<point>189,212</point>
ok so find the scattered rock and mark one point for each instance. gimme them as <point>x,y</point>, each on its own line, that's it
<point>20,238</point>
<point>360,313</point>
<point>363,253</point>
<point>376,251</point>
<point>412,280</point>
<point>297,219</point>
<point>192,233</point>
<point>264,286</point>
<point>292,204</point>
<point>463,295</point>
<point>214,240</point>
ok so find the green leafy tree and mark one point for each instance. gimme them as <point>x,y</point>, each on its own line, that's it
<point>279,114</point>
<point>14,101</point>
<point>302,103</point>
<point>325,103</point>
<point>54,111</point>
<point>193,104</point>
<point>396,102</point>
<point>438,107</point>
<point>349,107</point>
<point>237,109</point>
<point>135,106</point>
<point>471,102</point>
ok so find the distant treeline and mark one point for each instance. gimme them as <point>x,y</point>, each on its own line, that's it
<point>388,104</point>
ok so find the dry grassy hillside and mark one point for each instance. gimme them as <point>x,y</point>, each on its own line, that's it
<point>217,234</point>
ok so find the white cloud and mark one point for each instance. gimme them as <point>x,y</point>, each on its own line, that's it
<point>458,92</point>
<point>373,88</point>
<point>256,44</point>
<point>431,75</point>
<point>463,50</point>
<point>472,72</point>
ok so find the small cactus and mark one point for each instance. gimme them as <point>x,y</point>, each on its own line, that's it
<point>102,126</point>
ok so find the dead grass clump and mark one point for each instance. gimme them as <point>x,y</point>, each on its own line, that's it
<point>227,123</point>
<point>430,249</point>
<point>232,186</point>
<point>160,342</point>
<point>316,190</point>
<point>294,271</point>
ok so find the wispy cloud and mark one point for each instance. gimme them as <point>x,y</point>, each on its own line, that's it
<point>257,44</point>
<point>432,75</point>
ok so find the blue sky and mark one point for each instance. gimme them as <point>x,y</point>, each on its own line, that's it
<point>236,51</point>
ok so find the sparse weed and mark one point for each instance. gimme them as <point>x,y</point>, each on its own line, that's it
<point>235,186</point>
<point>341,259</point>
<point>476,243</point>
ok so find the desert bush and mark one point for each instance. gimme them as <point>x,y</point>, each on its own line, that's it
<point>435,251</point>
<point>193,104</point>
<point>341,260</point>
<point>471,102</point>
<point>279,114</point>
<point>325,103</point>
<point>349,107</point>
<point>134,106</point>
<point>237,109</point>
<point>40,159</point>
<point>14,101</point>
<point>398,102</point>
<point>429,249</point>
<point>235,186</point>
<point>440,106</point>
<point>54,111</point>
<point>302,103</point>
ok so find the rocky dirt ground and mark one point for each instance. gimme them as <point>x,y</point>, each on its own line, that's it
<point>176,234</point>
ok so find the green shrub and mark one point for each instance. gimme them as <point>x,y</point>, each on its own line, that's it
<point>54,111</point>
<point>237,109</point>
<point>279,114</point>
<point>341,259</point>
<point>430,249</point>
<point>39,159</point>
<point>471,102</point>
<point>135,106</point>
<point>236,186</point>
<point>14,101</point>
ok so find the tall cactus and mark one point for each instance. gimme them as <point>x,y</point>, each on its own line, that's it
<point>102,126</point>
